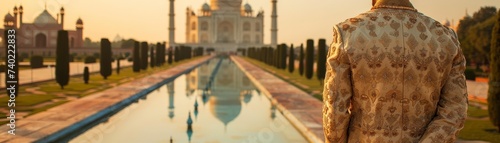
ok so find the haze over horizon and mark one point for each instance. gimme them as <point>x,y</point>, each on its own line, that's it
<point>297,20</point>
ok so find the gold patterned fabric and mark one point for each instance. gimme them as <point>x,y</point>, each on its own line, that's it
<point>394,76</point>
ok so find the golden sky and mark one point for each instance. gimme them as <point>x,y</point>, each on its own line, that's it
<point>148,21</point>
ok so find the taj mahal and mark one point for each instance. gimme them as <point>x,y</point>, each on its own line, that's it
<point>224,25</point>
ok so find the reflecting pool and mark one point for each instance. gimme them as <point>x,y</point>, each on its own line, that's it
<point>215,103</point>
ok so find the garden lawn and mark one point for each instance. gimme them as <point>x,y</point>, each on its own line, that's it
<point>479,130</point>
<point>27,100</point>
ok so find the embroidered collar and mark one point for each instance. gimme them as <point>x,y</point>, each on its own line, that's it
<point>395,7</point>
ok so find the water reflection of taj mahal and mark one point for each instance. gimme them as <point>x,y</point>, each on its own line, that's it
<point>228,97</point>
<point>231,88</point>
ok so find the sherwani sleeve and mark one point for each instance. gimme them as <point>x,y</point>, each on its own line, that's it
<point>337,92</point>
<point>452,106</point>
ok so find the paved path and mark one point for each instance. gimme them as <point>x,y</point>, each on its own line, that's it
<point>464,141</point>
<point>478,91</point>
<point>44,74</point>
<point>301,109</point>
<point>81,112</point>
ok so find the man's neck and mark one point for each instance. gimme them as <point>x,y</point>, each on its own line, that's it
<point>403,3</point>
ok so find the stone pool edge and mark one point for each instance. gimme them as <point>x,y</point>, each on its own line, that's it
<point>296,118</point>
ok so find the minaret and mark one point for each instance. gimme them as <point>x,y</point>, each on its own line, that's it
<point>188,27</point>
<point>171,107</point>
<point>20,15</point>
<point>171,28</point>
<point>62,18</point>
<point>274,24</point>
<point>15,16</point>
<point>79,33</point>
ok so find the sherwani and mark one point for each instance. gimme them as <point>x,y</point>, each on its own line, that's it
<point>394,76</point>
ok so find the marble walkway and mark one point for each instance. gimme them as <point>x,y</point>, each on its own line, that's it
<point>301,109</point>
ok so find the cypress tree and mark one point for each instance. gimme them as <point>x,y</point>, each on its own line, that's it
<point>136,57</point>
<point>118,66</point>
<point>258,51</point>
<point>291,60</point>
<point>195,52</point>
<point>494,77</point>
<point>254,51</point>
<point>177,55</point>
<point>182,53</point>
<point>152,59</point>
<point>284,51</point>
<point>185,52</point>
<point>144,55</point>
<point>280,56</point>
<point>158,55</point>
<point>301,60</point>
<point>86,75</point>
<point>105,61</point>
<point>276,56</point>
<point>270,53</point>
<point>170,55</point>
<point>164,53</point>
<point>309,66</point>
<point>62,58</point>
<point>321,65</point>
<point>189,53</point>
<point>263,54</point>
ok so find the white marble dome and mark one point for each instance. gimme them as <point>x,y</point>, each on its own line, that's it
<point>226,4</point>
<point>45,18</point>
<point>247,8</point>
<point>205,7</point>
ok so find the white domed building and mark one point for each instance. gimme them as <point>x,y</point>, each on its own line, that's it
<point>224,25</point>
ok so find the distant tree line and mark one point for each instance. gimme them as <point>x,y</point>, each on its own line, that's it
<point>284,58</point>
<point>474,34</point>
<point>124,43</point>
<point>144,55</point>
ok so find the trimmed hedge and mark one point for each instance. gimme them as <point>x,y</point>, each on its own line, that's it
<point>90,60</point>
<point>470,74</point>
<point>494,78</point>
<point>36,62</point>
